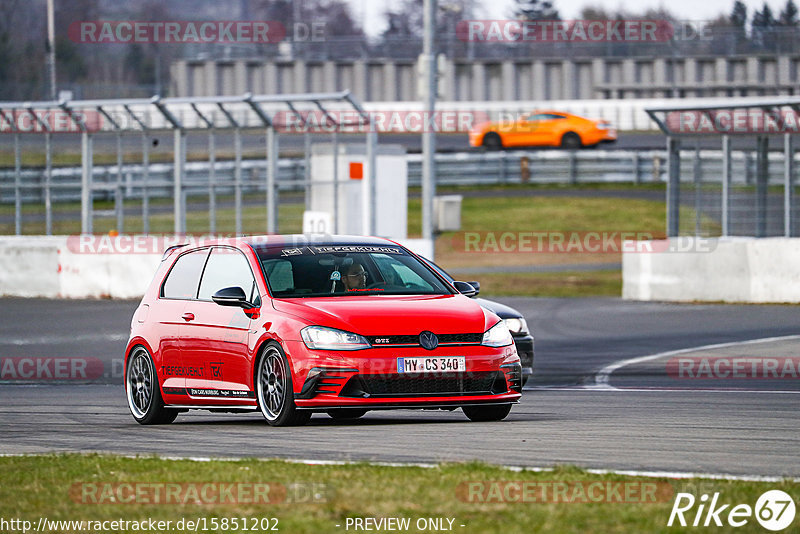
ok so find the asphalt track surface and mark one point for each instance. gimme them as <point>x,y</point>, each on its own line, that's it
<point>739,427</point>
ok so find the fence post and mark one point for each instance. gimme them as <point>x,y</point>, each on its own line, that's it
<point>48,177</point>
<point>573,167</point>
<point>788,186</point>
<point>86,182</point>
<point>119,205</point>
<point>17,186</point>
<point>237,179</point>
<point>673,186</point>
<point>272,183</point>
<point>637,178</point>
<point>762,176</point>
<point>179,169</point>
<point>212,182</point>
<point>726,185</point>
<point>697,189</point>
<point>145,179</point>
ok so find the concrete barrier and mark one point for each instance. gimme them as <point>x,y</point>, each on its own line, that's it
<point>735,269</point>
<point>53,267</point>
<point>93,266</point>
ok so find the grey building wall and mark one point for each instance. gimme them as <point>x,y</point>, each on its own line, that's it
<point>507,80</point>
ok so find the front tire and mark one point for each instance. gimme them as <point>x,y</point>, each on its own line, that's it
<point>493,412</point>
<point>274,390</point>
<point>143,392</point>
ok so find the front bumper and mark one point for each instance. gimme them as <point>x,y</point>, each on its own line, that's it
<point>370,378</point>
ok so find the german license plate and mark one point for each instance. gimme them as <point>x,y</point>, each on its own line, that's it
<point>432,364</point>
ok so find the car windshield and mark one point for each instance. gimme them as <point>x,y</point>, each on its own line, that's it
<point>346,270</point>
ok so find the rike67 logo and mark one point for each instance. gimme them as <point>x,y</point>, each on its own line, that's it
<point>774,510</point>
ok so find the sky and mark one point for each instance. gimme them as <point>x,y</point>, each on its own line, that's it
<point>371,10</point>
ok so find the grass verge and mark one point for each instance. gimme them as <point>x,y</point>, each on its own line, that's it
<point>318,498</point>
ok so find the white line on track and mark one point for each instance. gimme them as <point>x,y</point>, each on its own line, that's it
<point>515,468</point>
<point>602,377</point>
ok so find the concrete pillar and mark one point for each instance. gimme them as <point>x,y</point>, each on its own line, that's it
<point>568,80</point>
<point>509,82</point>
<point>179,74</point>
<point>389,83</point>
<point>240,77</point>
<point>360,87</point>
<point>270,72</point>
<point>478,82</point>
<point>598,78</point>
<point>211,88</point>
<point>539,80</point>
<point>721,76</point>
<point>299,73</point>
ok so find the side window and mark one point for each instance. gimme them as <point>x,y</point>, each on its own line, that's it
<point>184,277</point>
<point>227,267</point>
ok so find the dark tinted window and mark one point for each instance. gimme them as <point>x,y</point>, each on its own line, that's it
<point>183,279</point>
<point>227,267</point>
<point>341,270</point>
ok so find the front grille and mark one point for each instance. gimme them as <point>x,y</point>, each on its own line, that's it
<point>413,340</point>
<point>413,385</point>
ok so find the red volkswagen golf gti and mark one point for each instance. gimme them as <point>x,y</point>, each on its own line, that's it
<point>290,327</point>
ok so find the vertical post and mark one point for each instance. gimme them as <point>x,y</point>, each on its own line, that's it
<point>179,170</point>
<point>48,178</point>
<point>17,186</point>
<point>272,177</point>
<point>673,186</point>
<point>307,169</point>
<point>726,185</point>
<point>368,191</point>
<point>119,205</point>
<point>86,182</point>
<point>762,176</point>
<point>698,179</point>
<point>429,104</point>
<point>145,180</point>
<point>573,167</point>
<point>637,177</point>
<point>212,182</point>
<point>237,179</point>
<point>335,183</point>
<point>51,49</point>
<point>788,186</point>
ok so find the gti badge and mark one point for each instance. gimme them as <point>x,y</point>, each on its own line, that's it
<point>428,340</point>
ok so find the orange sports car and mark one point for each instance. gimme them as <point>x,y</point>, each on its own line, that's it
<point>543,128</point>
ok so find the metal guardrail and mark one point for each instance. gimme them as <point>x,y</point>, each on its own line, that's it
<point>466,168</point>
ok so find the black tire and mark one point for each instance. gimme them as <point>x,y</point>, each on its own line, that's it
<point>571,141</point>
<point>344,414</point>
<point>492,412</point>
<point>492,141</point>
<point>143,391</point>
<point>274,391</point>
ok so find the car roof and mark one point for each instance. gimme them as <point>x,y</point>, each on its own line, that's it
<point>302,240</point>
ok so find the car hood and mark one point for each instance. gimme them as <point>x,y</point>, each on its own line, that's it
<point>501,310</point>
<point>377,315</point>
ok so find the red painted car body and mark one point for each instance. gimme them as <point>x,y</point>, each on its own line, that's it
<point>195,349</point>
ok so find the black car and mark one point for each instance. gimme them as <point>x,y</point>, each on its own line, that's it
<point>523,339</point>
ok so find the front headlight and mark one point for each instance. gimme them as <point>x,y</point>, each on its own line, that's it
<point>516,325</point>
<point>323,338</point>
<point>497,336</point>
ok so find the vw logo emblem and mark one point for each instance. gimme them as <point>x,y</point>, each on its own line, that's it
<point>428,340</point>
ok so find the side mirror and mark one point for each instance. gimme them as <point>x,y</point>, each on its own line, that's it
<point>232,296</point>
<point>465,288</point>
<point>477,286</point>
